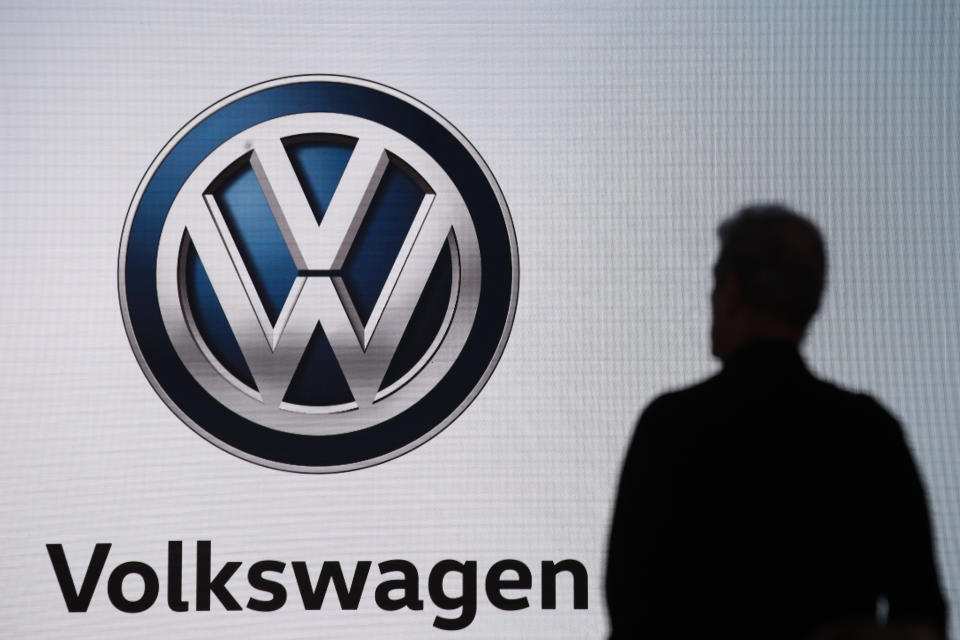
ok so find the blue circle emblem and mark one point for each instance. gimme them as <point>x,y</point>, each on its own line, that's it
<point>318,273</point>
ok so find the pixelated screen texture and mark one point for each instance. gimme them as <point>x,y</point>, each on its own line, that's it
<point>620,134</point>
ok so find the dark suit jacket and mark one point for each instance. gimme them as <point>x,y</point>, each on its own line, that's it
<point>766,503</point>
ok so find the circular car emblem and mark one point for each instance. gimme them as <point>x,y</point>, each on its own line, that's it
<point>318,273</point>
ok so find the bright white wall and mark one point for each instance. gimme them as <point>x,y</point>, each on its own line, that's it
<point>620,135</point>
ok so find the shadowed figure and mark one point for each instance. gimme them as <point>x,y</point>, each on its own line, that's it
<point>764,502</point>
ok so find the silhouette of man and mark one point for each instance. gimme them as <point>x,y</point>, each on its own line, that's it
<point>763,502</point>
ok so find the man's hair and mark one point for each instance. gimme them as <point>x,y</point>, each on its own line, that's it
<point>779,259</point>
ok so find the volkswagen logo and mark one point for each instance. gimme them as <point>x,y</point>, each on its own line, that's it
<point>318,273</point>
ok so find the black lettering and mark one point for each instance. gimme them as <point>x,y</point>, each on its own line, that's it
<point>151,587</point>
<point>410,584</point>
<point>175,576</point>
<point>549,582</point>
<point>496,583</point>
<point>312,596</point>
<point>468,593</point>
<point>217,586</point>
<point>259,582</point>
<point>78,601</point>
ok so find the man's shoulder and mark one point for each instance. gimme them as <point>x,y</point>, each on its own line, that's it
<point>684,400</point>
<point>681,396</point>
<point>856,403</point>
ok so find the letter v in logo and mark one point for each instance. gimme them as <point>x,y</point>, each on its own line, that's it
<point>318,274</point>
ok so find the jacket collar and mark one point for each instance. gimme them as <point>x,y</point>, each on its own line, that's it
<point>766,356</point>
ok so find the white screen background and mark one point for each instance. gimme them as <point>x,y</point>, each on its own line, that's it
<point>620,135</point>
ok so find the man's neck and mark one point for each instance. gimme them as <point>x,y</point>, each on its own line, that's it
<point>763,332</point>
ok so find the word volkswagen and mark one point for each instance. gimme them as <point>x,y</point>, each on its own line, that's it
<point>327,585</point>
<point>318,273</point>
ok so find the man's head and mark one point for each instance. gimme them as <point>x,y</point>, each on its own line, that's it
<point>768,278</point>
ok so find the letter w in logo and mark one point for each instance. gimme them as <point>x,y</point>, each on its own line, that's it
<point>350,258</point>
